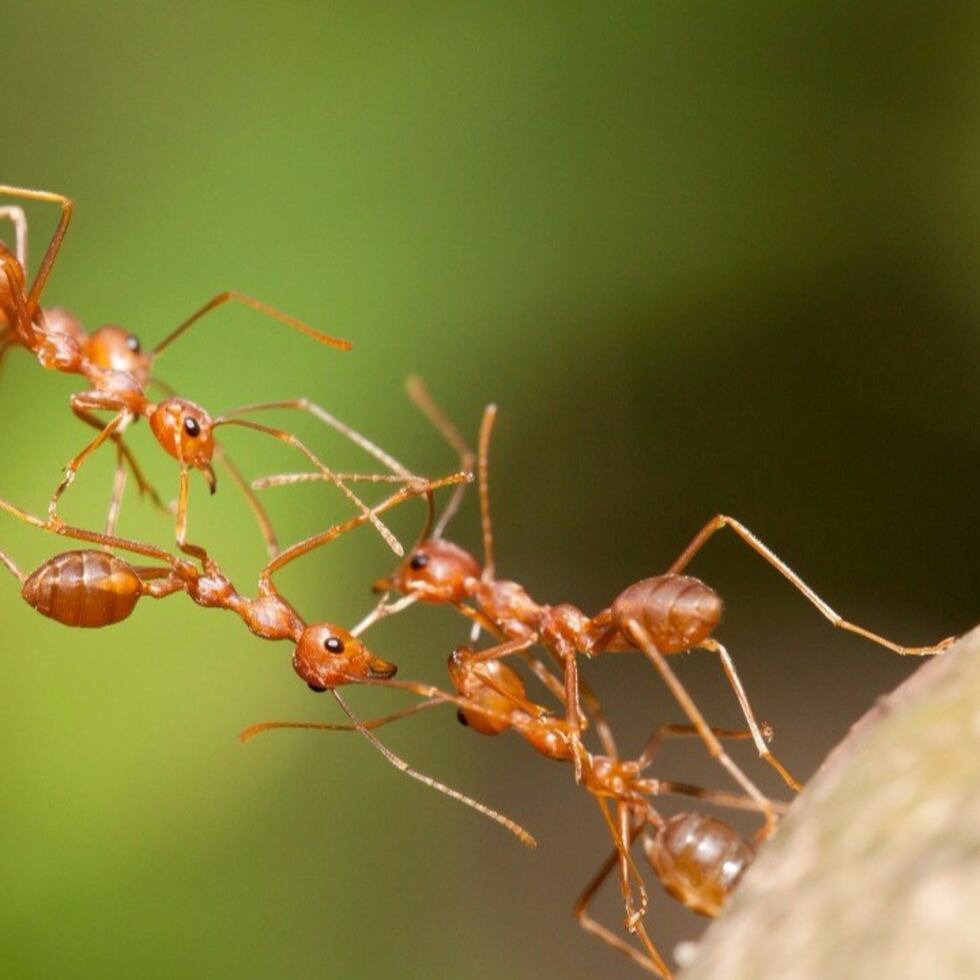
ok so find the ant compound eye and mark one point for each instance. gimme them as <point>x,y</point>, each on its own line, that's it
<point>333,644</point>
<point>461,718</point>
<point>133,343</point>
<point>192,427</point>
<point>316,689</point>
<point>418,561</point>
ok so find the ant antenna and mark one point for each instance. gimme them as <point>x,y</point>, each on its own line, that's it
<point>382,608</point>
<point>515,828</point>
<point>325,472</point>
<point>486,429</point>
<point>232,296</point>
<point>247,734</point>
<point>419,393</point>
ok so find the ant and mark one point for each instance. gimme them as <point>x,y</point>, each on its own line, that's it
<point>658,616</point>
<point>90,588</point>
<point>118,371</point>
<point>698,859</point>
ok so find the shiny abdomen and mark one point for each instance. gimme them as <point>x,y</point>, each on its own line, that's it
<point>699,860</point>
<point>84,588</point>
<point>677,611</point>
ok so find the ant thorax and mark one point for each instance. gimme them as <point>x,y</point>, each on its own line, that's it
<point>269,616</point>
<point>119,387</point>
<point>60,352</point>
<point>509,606</point>
<point>565,628</point>
<point>117,349</point>
<point>616,776</point>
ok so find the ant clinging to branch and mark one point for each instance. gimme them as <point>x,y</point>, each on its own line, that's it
<point>659,616</point>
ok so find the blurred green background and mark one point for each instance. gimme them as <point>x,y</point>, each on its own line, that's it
<point>704,257</point>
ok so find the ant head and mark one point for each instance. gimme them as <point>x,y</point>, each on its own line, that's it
<point>119,350</point>
<point>327,656</point>
<point>185,431</point>
<point>436,571</point>
<point>491,684</point>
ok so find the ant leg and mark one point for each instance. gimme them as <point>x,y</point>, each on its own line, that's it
<point>472,660</point>
<point>325,537</point>
<point>118,489</point>
<point>743,702</point>
<point>716,797</point>
<point>93,537</point>
<point>486,430</point>
<point>18,219</point>
<point>593,709</point>
<point>117,425</point>
<point>67,207</point>
<point>623,837</point>
<point>642,638</point>
<point>261,516</point>
<point>328,474</point>
<point>80,406</point>
<point>158,583</point>
<point>663,732</point>
<point>721,520</point>
<point>194,550</point>
<point>318,412</point>
<point>654,964</point>
<point>515,828</point>
<point>544,675</point>
<point>659,787</point>
<point>8,562</point>
<point>290,479</point>
<point>232,296</point>
<point>247,734</point>
<point>419,393</point>
<point>23,328</point>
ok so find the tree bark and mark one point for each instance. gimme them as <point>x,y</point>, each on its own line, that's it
<point>875,871</point>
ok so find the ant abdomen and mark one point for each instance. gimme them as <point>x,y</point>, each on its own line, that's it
<point>84,588</point>
<point>699,860</point>
<point>677,611</point>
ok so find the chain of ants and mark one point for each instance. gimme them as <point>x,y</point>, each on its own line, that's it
<point>698,859</point>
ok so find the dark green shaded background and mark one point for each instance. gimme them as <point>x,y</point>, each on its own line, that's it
<point>704,258</point>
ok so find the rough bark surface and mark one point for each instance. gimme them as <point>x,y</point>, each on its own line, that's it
<point>875,871</point>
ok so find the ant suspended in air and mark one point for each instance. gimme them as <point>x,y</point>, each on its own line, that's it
<point>118,371</point>
<point>91,588</point>
<point>698,859</point>
<point>658,616</point>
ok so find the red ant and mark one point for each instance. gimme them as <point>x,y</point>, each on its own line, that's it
<point>91,588</point>
<point>118,371</point>
<point>659,616</point>
<point>698,859</point>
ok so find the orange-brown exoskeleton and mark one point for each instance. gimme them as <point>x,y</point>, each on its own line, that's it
<point>658,616</point>
<point>698,859</point>
<point>118,373</point>
<point>90,588</point>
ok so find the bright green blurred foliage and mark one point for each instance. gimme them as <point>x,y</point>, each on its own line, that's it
<point>721,257</point>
